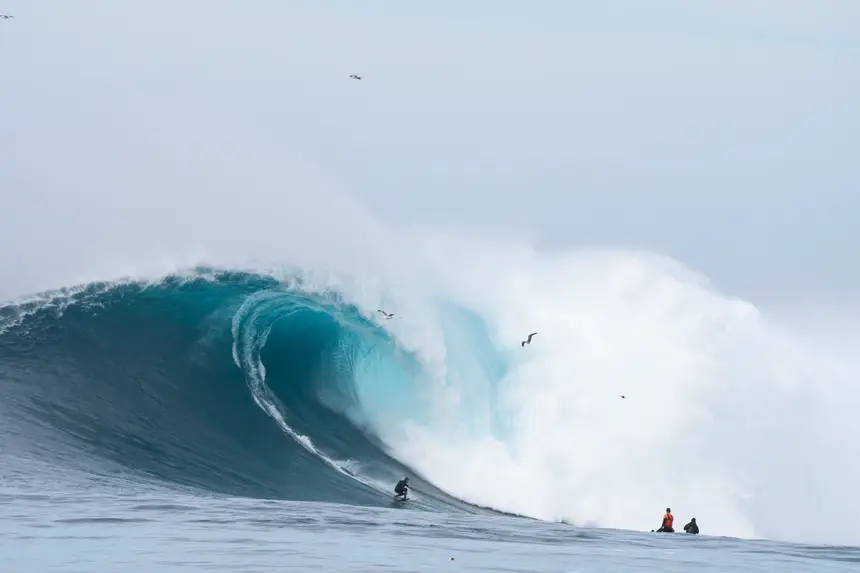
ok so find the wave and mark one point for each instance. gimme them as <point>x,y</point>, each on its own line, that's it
<point>227,382</point>
<point>293,386</point>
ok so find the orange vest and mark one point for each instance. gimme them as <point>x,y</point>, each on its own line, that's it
<point>668,520</point>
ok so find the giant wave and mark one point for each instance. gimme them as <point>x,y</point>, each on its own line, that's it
<point>292,386</point>
<point>225,382</point>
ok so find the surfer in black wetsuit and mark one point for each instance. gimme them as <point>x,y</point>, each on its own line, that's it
<point>692,527</point>
<point>402,487</point>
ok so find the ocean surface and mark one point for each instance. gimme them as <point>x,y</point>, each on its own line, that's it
<point>108,532</point>
<point>222,420</point>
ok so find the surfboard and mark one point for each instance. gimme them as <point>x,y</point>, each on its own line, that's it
<point>398,498</point>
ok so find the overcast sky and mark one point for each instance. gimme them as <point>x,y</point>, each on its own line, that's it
<point>723,134</point>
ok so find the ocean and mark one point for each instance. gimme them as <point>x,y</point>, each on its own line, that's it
<point>227,420</point>
<point>174,531</point>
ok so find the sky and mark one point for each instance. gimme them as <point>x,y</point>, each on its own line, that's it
<point>722,134</point>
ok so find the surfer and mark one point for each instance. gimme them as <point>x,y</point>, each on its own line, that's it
<point>402,488</point>
<point>692,527</point>
<point>668,520</point>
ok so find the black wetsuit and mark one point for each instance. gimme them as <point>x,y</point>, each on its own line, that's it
<point>401,488</point>
<point>692,527</point>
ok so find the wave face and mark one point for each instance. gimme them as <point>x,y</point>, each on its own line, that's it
<point>293,386</point>
<point>231,383</point>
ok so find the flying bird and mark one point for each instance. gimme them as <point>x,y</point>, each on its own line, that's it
<point>388,316</point>
<point>355,77</point>
<point>6,16</point>
<point>529,340</point>
<point>623,396</point>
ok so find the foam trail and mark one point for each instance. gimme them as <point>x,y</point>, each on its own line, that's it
<point>249,338</point>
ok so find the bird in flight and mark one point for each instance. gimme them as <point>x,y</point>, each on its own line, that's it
<point>388,316</point>
<point>355,77</point>
<point>529,340</point>
<point>6,16</point>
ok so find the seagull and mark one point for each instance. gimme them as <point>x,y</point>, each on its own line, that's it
<point>623,396</point>
<point>529,341</point>
<point>388,316</point>
<point>355,77</point>
<point>6,16</point>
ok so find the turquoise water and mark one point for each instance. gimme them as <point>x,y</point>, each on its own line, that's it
<point>107,533</point>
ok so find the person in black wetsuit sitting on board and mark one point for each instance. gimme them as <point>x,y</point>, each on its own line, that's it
<point>402,487</point>
<point>692,527</point>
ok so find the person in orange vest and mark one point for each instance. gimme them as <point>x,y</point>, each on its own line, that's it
<point>668,520</point>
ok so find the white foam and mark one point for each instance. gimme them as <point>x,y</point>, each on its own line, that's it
<point>727,417</point>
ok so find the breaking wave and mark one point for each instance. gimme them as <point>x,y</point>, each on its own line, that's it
<point>293,386</point>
